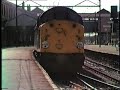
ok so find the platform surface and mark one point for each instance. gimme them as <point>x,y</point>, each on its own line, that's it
<point>104,49</point>
<point>20,71</point>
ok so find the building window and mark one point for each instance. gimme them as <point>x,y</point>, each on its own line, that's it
<point>3,10</point>
<point>38,14</point>
<point>96,18</point>
<point>14,13</point>
<point>6,12</point>
<point>86,18</point>
<point>9,13</point>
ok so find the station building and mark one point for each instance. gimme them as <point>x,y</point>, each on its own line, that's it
<point>99,27</point>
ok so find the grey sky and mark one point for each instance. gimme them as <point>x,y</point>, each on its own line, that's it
<point>106,4</point>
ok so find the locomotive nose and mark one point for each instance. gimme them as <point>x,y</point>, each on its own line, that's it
<point>35,53</point>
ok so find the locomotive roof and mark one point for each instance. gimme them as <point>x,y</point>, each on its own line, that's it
<point>59,13</point>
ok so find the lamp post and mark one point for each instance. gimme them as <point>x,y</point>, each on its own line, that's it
<point>16,40</point>
<point>16,15</point>
<point>95,29</point>
<point>99,23</point>
<point>112,33</point>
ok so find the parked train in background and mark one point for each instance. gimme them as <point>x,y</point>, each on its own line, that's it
<point>59,40</point>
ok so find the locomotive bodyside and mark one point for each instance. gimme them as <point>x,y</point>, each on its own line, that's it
<point>61,43</point>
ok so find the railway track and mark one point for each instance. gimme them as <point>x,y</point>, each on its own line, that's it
<point>109,60</point>
<point>107,73</point>
<point>80,83</point>
<point>100,64</point>
<point>96,84</point>
<point>84,82</point>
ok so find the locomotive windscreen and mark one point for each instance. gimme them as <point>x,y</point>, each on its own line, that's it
<point>59,13</point>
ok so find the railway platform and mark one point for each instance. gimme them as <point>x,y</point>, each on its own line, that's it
<point>103,49</point>
<point>20,71</point>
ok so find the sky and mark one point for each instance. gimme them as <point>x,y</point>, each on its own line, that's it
<point>106,4</point>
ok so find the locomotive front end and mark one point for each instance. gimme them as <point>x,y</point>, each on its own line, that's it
<point>60,41</point>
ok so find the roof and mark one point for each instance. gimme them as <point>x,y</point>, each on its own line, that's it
<point>23,20</point>
<point>59,13</point>
<point>37,10</point>
<point>8,3</point>
<point>103,11</point>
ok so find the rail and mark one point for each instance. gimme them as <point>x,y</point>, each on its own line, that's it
<point>110,85</point>
<point>88,59</point>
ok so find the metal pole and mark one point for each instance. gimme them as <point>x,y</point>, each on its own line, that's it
<point>119,8</point>
<point>16,40</point>
<point>16,14</point>
<point>112,34</point>
<point>99,23</point>
<point>95,28</point>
